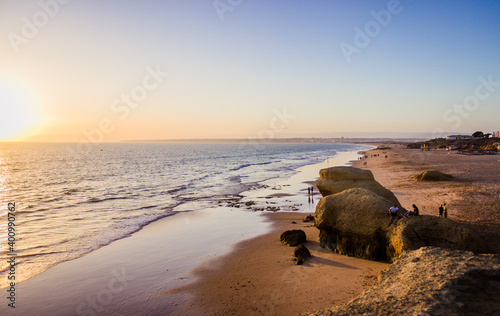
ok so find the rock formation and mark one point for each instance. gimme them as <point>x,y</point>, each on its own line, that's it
<point>293,237</point>
<point>432,175</point>
<point>356,222</point>
<point>431,281</point>
<point>337,179</point>
<point>301,254</point>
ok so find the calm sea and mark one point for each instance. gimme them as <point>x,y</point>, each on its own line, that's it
<point>69,205</point>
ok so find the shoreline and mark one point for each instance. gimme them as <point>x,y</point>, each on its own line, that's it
<point>152,260</point>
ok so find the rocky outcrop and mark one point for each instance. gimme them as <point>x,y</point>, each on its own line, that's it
<point>293,237</point>
<point>356,222</point>
<point>301,254</point>
<point>431,281</point>
<point>432,175</point>
<point>419,231</point>
<point>337,179</point>
<point>308,218</point>
<point>477,144</point>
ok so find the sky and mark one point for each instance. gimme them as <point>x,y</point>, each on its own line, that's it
<point>100,71</point>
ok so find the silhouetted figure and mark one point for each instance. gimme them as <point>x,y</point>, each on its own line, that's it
<point>441,210</point>
<point>445,209</point>
<point>412,213</point>
<point>415,210</point>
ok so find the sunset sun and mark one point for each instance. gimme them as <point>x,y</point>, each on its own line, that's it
<point>18,114</point>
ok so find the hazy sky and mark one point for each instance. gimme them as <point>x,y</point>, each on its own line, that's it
<point>115,70</point>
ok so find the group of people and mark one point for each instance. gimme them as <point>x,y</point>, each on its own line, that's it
<point>310,194</point>
<point>393,211</point>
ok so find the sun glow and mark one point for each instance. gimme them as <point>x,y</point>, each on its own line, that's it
<point>18,114</point>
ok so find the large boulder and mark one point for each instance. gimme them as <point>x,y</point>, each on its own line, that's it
<point>431,281</point>
<point>433,175</point>
<point>356,222</point>
<point>337,179</point>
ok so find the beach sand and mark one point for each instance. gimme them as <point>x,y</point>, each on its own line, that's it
<point>473,198</point>
<point>259,277</point>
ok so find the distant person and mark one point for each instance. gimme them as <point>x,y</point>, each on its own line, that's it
<point>393,211</point>
<point>445,209</point>
<point>441,210</point>
<point>415,210</point>
<point>308,191</point>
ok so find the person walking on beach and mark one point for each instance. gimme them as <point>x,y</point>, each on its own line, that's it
<point>308,191</point>
<point>445,209</point>
<point>441,210</point>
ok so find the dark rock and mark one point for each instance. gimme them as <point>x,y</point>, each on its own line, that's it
<point>432,175</point>
<point>308,218</point>
<point>431,281</point>
<point>293,237</point>
<point>301,254</point>
<point>337,179</point>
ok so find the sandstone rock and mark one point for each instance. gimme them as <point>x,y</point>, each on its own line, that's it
<point>432,175</point>
<point>337,179</point>
<point>431,281</point>
<point>420,231</point>
<point>308,218</point>
<point>356,222</point>
<point>301,254</point>
<point>293,237</point>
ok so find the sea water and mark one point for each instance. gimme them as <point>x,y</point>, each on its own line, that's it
<point>70,204</point>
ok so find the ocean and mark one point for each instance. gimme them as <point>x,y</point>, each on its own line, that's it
<point>68,205</point>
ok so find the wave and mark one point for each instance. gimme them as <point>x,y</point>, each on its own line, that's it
<point>177,189</point>
<point>251,164</point>
<point>98,200</point>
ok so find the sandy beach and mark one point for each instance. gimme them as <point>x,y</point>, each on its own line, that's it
<point>260,278</point>
<point>229,260</point>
